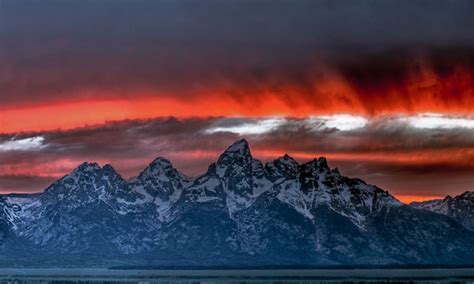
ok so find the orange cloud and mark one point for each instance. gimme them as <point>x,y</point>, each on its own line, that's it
<point>421,90</point>
<point>71,115</point>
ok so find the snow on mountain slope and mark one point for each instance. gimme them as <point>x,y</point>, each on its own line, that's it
<point>460,208</point>
<point>159,184</point>
<point>312,184</point>
<point>239,212</point>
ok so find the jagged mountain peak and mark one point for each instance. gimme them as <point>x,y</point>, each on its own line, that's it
<point>108,168</point>
<point>88,182</point>
<point>88,170</point>
<point>460,208</point>
<point>288,161</point>
<point>160,183</point>
<point>160,168</point>
<point>87,167</point>
<point>467,194</point>
<point>161,162</point>
<point>93,169</point>
<point>158,165</point>
<point>336,172</point>
<point>283,166</point>
<point>239,148</point>
<point>280,213</point>
<point>236,160</point>
<point>319,165</point>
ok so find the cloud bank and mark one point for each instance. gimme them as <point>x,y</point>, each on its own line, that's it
<point>395,152</point>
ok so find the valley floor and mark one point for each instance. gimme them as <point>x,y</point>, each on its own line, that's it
<point>75,275</point>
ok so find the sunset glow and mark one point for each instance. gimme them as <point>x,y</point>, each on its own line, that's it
<point>436,94</point>
<point>394,108</point>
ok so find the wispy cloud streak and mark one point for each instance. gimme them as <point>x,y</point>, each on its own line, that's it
<point>24,144</point>
<point>390,151</point>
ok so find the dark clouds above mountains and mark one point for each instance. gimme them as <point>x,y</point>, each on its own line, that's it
<point>69,50</point>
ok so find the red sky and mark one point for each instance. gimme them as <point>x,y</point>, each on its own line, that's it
<point>386,95</point>
<point>396,168</point>
<point>419,92</point>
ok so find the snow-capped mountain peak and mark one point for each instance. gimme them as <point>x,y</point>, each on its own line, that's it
<point>238,152</point>
<point>284,166</point>
<point>160,168</point>
<point>239,210</point>
<point>319,165</point>
<point>239,147</point>
<point>160,185</point>
<point>86,167</point>
<point>87,178</point>
<point>286,162</point>
<point>236,161</point>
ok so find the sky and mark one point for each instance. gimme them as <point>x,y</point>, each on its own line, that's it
<point>383,89</point>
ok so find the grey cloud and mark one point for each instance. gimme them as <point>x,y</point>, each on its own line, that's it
<point>130,145</point>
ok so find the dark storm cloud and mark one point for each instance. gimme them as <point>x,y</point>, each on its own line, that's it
<point>60,50</point>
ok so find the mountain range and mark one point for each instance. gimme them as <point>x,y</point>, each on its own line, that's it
<point>240,212</point>
<point>460,208</point>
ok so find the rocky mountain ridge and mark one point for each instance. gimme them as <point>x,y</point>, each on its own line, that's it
<point>460,208</point>
<point>240,212</point>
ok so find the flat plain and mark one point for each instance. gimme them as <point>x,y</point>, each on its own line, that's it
<point>99,275</point>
